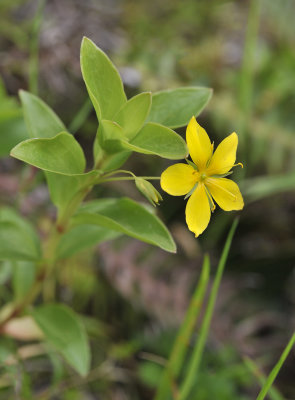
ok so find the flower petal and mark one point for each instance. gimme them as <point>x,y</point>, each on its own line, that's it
<point>179,179</point>
<point>226,193</point>
<point>198,210</point>
<point>198,143</point>
<point>224,156</point>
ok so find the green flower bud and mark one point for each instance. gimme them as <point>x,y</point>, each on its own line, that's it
<point>148,190</point>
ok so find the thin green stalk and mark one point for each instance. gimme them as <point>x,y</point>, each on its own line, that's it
<point>81,116</point>
<point>125,178</point>
<point>128,178</point>
<point>74,203</point>
<point>273,374</point>
<point>274,394</point>
<point>118,171</point>
<point>34,48</point>
<point>191,376</point>
<point>181,344</point>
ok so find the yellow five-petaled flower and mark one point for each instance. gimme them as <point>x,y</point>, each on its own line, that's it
<point>203,180</point>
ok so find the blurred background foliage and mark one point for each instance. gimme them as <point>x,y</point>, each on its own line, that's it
<point>135,295</point>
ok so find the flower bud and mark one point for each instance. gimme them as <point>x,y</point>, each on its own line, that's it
<point>148,190</point>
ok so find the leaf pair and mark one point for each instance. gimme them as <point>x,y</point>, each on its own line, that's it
<point>50,148</point>
<point>53,150</point>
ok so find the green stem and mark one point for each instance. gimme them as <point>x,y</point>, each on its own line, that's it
<point>125,178</point>
<point>272,376</point>
<point>63,219</point>
<point>34,48</point>
<point>273,393</point>
<point>196,358</point>
<point>119,171</point>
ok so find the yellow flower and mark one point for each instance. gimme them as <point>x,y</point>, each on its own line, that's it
<point>204,179</point>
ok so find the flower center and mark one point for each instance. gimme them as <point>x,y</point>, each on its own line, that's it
<point>203,176</point>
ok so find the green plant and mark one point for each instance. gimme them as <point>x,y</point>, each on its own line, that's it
<point>31,310</point>
<point>141,124</point>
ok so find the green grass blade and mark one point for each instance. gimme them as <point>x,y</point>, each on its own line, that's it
<point>273,374</point>
<point>181,344</point>
<point>34,48</point>
<point>273,394</point>
<point>191,375</point>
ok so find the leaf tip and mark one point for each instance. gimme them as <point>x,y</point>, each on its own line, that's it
<point>85,42</point>
<point>173,248</point>
<point>85,39</point>
<point>23,94</point>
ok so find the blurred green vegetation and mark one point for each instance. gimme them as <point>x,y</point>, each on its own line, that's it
<point>160,45</point>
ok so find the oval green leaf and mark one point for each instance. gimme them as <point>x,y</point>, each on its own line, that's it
<point>64,330</point>
<point>61,154</point>
<point>174,108</point>
<point>152,139</point>
<point>126,216</point>
<point>18,240</point>
<point>81,237</point>
<point>159,140</point>
<point>133,114</point>
<point>41,120</point>
<point>102,80</point>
